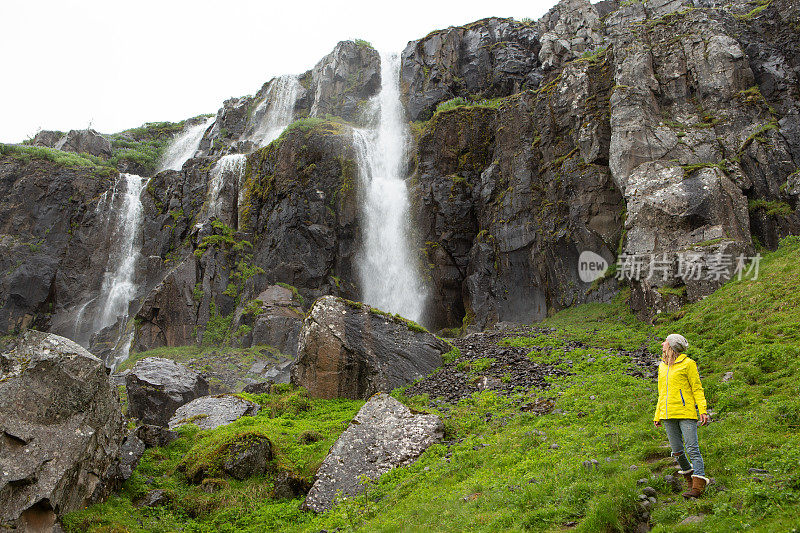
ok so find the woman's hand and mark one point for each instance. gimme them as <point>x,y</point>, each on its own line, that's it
<point>704,419</point>
<point>657,423</point>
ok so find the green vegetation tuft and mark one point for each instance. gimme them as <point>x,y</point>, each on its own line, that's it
<point>459,101</point>
<point>25,154</point>
<point>771,207</point>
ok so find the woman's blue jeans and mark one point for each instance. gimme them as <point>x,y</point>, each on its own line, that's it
<point>682,431</point>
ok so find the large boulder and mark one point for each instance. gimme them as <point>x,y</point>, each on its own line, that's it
<point>157,387</point>
<point>210,412</point>
<point>61,428</point>
<point>248,456</point>
<point>85,141</point>
<point>383,435</point>
<point>350,350</point>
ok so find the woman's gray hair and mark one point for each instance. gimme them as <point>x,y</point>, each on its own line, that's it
<point>677,342</point>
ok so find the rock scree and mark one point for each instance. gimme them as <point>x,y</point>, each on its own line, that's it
<point>383,435</point>
<point>61,428</point>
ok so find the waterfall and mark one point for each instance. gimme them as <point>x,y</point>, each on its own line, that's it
<point>119,284</point>
<point>276,111</point>
<point>387,266</point>
<point>227,168</point>
<point>184,146</point>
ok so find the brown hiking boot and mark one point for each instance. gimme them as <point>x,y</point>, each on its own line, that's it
<point>687,475</point>
<point>698,487</point>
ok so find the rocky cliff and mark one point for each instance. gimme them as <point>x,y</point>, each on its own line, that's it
<point>638,128</point>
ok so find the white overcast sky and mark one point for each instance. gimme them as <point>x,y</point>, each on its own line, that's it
<point>116,65</point>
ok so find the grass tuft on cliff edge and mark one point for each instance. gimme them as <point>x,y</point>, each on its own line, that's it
<point>508,469</point>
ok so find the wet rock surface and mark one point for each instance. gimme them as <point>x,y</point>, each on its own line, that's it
<point>61,428</point>
<point>157,387</point>
<point>383,435</point>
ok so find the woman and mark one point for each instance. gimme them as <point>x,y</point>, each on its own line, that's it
<point>679,392</point>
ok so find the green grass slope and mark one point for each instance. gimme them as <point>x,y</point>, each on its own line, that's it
<point>509,469</point>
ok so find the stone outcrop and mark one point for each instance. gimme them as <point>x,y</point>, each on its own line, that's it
<point>340,84</point>
<point>61,428</point>
<point>85,141</point>
<point>157,387</point>
<point>569,30</point>
<point>277,320</point>
<point>242,456</point>
<point>210,412</point>
<point>350,350</point>
<point>344,80</point>
<point>248,457</point>
<point>488,58</point>
<point>384,435</point>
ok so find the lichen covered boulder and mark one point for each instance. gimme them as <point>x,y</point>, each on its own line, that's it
<point>61,428</point>
<point>210,412</point>
<point>383,435</point>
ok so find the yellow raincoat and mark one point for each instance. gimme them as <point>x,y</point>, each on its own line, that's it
<point>679,390</point>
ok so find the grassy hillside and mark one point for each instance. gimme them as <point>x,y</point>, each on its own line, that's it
<point>506,468</point>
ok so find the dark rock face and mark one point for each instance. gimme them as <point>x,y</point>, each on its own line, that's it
<point>153,436</point>
<point>51,243</point>
<point>506,200</point>
<point>302,211</point>
<point>60,430</point>
<point>210,412</point>
<point>131,452</point>
<point>348,350</point>
<point>635,142</point>
<point>289,487</point>
<point>298,216</point>
<point>491,57</point>
<point>382,436</point>
<point>157,387</point>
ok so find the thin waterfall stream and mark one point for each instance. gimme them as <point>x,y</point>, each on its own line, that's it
<point>388,268</point>
<point>119,281</point>
<point>184,146</point>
